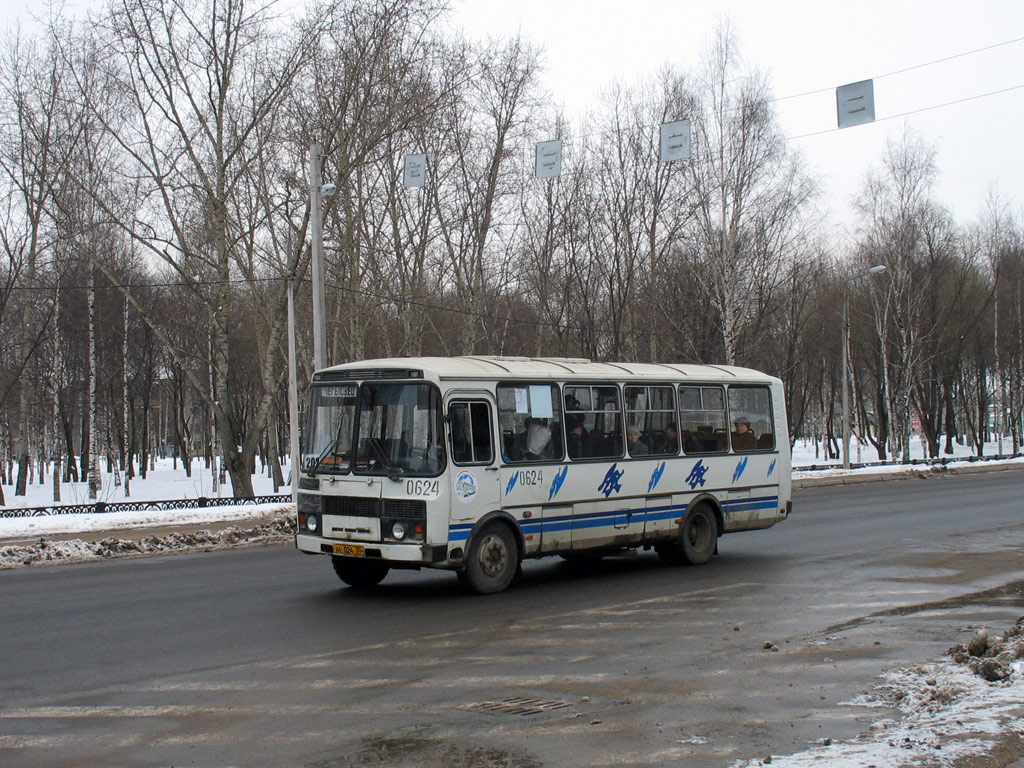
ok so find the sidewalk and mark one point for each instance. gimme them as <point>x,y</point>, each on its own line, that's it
<point>854,476</point>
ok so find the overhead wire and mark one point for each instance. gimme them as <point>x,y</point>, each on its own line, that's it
<point>425,305</point>
<point>830,89</point>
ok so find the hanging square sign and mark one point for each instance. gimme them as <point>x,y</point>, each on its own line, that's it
<point>855,103</point>
<point>549,159</point>
<point>415,170</point>
<point>675,141</point>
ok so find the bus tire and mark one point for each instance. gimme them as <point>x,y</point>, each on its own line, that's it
<point>360,573</point>
<point>492,560</point>
<point>698,539</point>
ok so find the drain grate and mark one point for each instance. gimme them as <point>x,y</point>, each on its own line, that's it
<point>517,705</point>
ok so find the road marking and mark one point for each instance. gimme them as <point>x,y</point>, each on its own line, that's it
<point>467,681</point>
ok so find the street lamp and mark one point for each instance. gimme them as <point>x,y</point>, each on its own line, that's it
<point>317,192</point>
<point>876,270</point>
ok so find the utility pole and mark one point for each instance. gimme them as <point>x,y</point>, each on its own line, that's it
<point>293,385</point>
<point>316,223</point>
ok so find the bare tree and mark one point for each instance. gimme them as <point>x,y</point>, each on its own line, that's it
<point>198,78</point>
<point>750,192</point>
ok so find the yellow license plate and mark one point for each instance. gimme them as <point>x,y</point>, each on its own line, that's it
<point>349,550</point>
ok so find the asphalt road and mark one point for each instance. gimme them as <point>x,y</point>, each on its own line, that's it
<point>261,657</point>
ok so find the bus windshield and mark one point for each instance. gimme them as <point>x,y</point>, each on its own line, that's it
<point>399,430</point>
<point>328,439</point>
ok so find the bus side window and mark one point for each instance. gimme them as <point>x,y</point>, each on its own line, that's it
<point>750,413</point>
<point>530,418</point>
<point>471,432</point>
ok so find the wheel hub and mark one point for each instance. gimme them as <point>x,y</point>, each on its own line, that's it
<point>493,556</point>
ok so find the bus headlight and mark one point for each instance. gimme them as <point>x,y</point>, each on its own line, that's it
<point>312,523</point>
<point>398,531</point>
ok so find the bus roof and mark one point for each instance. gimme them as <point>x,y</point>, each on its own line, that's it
<point>555,368</point>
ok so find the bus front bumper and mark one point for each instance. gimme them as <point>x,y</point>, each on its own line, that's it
<point>413,554</point>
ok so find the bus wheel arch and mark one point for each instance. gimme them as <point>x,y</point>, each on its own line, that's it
<point>697,539</point>
<point>493,555</point>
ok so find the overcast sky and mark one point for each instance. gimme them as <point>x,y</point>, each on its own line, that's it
<point>806,46</point>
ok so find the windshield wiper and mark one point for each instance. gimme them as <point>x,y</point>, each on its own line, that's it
<point>394,472</point>
<point>320,459</point>
<point>332,446</point>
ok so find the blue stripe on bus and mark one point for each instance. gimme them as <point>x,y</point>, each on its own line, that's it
<point>609,518</point>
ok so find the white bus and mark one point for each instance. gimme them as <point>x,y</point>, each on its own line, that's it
<point>472,464</point>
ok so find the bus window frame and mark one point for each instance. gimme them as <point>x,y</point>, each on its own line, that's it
<point>771,418</point>
<point>725,413</point>
<point>470,402</point>
<point>674,412</point>
<point>617,385</point>
<point>559,416</point>
<point>440,427</point>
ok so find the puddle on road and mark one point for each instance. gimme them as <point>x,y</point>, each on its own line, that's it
<point>1006,595</point>
<point>416,750</point>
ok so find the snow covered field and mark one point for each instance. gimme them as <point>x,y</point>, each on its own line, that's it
<point>167,481</point>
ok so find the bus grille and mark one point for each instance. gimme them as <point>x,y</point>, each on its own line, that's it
<point>368,374</point>
<point>351,505</point>
<point>407,509</point>
<point>363,507</point>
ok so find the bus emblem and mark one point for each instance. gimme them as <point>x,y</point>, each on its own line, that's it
<point>556,484</point>
<point>696,476</point>
<point>610,484</point>
<point>511,483</point>
<point>771,468</point>
<point>656,476</point>
<point>465,486</point>
<point>739,469</point>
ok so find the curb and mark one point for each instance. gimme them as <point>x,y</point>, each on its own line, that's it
<point>138,533</point>
<point>912,474</point>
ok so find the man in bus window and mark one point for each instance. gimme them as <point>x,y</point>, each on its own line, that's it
<point>670,444</point>
<point>742,438</point>
<point>577,439</point>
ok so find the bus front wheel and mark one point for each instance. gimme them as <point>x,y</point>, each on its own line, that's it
<point>492,560</point>
<point>698,536</point>
<point>360,573</point>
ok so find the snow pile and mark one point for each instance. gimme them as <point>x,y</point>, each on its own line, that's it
<point>52,525</point>
<point>279,528</point>
<point>951,710</point>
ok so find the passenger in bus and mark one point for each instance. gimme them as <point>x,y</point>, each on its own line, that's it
<point>670,442</point>
<point>577,439</point>
<point>637,447</point>
<point>742,438</point>
<point>538,440</point>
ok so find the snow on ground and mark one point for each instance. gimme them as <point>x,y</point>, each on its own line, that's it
<point>278,526</point>
<point>952,709</point>
<point>166,480</point>
<point>805,454</point>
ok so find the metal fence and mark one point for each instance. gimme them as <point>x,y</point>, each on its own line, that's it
<point>101,507</point>
<point>912,462</point>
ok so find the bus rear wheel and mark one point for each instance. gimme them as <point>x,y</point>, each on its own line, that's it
<point>492,560</point>
<point>698,537</point>
<point>360,573</point>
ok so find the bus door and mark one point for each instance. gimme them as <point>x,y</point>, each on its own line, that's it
<point>607,523</point>
<point>661,516</point>
<point>474,472</point>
